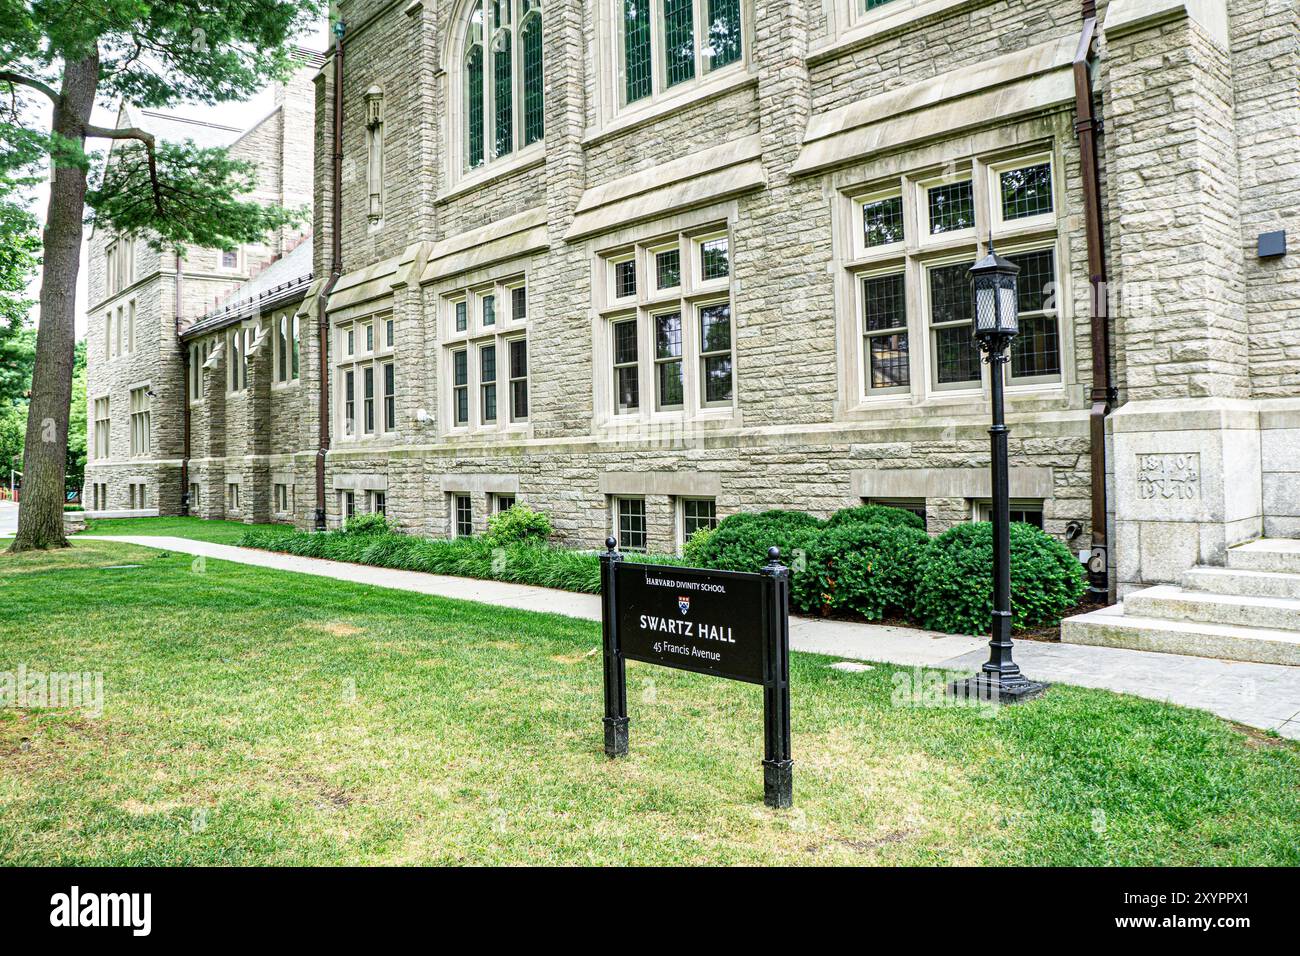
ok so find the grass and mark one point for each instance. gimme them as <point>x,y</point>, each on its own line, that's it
<point>261,717</point>
<point>200,529</point>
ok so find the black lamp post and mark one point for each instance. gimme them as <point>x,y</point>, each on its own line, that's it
<point>996,322</point>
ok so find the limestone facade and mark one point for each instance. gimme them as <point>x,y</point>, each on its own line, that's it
<point>731,279</point>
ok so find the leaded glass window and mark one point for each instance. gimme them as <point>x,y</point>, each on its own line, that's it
<point>884,323</point>
<point>530,39</point>
<point>637,78</point>
<point>668,269</point>
<point>460,385</point>
<point>487,377</point>
<point>669,42</point>
<point>518,379</point>
<point>625,278</point>
<point>956,358</point>
<point>1036,351</point>
<point>715,262</point>
<point>951,207</point>
<point>502,92</point>
<point>882,221</point>
<point>679,40</point>
<point>724,42</point>
<point>502,64</point>
<point>715,352</point>
<point>1026,191</point>
<point>627,387</point>
<point>668,360</point>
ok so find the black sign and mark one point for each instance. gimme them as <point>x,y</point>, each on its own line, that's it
<point>705,621</point>
<point>724,623</point>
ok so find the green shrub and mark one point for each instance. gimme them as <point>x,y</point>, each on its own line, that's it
<point>741,541</point>
<point>696,546</point>
<point>869,569</point>
<point>875,514</point>
<point>518,525</point>
<point>956,589</point>
<point>372,523</point>
<point>542,565</point>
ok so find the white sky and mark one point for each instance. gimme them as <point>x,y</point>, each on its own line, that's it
<point>238,115</point>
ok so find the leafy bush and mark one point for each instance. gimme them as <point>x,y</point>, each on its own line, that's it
<point>696,545</point>
<point>741,541</point>
<point>517,525</point>
<point>956,588</point>
<point>865,568</point>
<point>365,524</point>
<point>875,514</point>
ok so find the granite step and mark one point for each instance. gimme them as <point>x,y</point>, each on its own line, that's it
<point>1279,555</point>
<point>1171,603</point>
<point>1243,583</point>
<point>1113,627</point>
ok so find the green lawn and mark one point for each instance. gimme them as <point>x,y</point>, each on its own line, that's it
<point>262,717</point>
<point>218,532</point>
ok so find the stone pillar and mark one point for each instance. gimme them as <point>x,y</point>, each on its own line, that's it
<point>255,500</point>
<point>1186,444</point>
<point>208,441</point>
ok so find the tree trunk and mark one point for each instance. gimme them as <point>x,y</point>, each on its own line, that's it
<point>45,454</point>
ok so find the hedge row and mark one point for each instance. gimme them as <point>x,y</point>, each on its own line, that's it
<point>871,562</point>
<point>519,560</point>
<point>876,562</point>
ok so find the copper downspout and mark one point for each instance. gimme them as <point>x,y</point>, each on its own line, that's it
<point>185,392</point>
<point>1102,394</point>
<point>336,269</point>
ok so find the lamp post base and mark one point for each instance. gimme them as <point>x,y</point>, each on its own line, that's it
<point>988,687</point>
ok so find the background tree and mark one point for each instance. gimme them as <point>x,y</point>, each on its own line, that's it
<point>151,53</point>
<point>19,245</point>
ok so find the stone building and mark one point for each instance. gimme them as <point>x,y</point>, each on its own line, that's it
<point>141,301</point>
<point>645,263</point>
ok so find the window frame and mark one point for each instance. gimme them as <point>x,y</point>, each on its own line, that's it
<point>689,299</point>
<point>982,509</point>
<point>504,329</point>
<point>360,381</point>
<point>141,436</point>
<point>920,251</point>
<point>680,517</point>
<point>522,151</point>
<point>704,78</point>
<point>994,171</point>
<point>616,522</point>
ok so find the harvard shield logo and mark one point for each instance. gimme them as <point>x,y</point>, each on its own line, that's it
<point>683,603</point>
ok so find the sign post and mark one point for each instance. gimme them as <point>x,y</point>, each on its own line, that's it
<point>723,623</point>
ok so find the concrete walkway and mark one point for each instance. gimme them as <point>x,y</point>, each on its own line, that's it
<point>1260,695</point>
<point>8,519</point>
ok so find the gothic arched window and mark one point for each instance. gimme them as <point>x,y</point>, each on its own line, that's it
<point>502,79</point>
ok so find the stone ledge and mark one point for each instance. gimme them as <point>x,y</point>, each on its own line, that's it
<point>480,484</point>
<point>1128,16</point>
<point>1026,482</point>
<point>679,483</point>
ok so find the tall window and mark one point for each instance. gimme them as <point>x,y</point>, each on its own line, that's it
<point>486,355</point>
<point>119,265</point>
<point>198,355</point>
<point>238,343</point>
<point>502,79</point>
<point>669,313</point>
<point>101,427</point>
<point>139,421</point>
<point>666,43</point>
<point>367,379</point>
<point>286,347</point>
<point>912,299</point>
<point>463,515</point>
